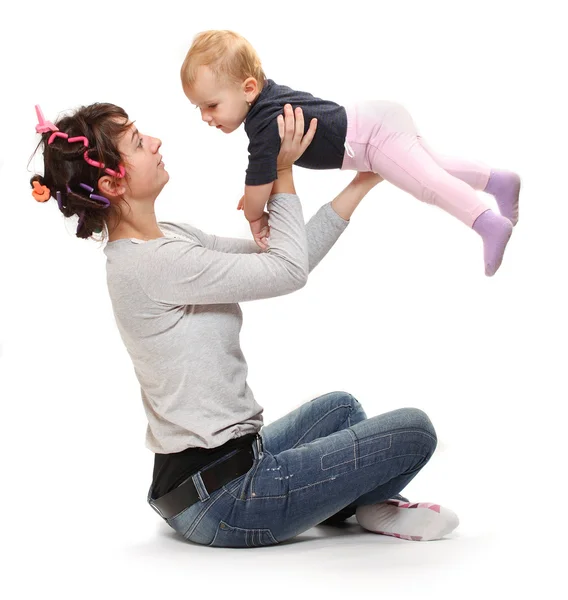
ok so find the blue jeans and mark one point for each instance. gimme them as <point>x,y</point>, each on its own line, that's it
<point>323,459</point>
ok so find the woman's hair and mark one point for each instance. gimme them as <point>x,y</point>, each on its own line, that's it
<point>229,55</point>
<point>65,167</point>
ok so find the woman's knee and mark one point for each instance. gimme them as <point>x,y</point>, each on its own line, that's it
<point>338,399</point>
<point>415,418</point>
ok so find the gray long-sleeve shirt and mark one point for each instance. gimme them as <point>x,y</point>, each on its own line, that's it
<point>175,301</point>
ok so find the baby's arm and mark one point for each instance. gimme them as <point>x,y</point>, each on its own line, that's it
<point>255,199</point>
<point>260,176</point>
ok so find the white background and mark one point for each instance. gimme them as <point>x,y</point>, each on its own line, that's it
<point>399,313</point>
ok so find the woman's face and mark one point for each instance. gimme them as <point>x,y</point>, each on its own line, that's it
<point>146,174</point>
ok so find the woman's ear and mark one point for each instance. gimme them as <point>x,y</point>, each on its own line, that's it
<point>110,186</point>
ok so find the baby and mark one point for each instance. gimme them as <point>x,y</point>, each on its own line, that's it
<point>223,77</point>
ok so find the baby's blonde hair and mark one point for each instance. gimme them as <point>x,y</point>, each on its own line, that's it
<point>229,55</point>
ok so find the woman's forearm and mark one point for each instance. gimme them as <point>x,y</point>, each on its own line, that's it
<point>285,182</point>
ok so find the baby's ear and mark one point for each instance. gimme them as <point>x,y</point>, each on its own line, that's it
<point>110,186</point>
<point>250,88</point>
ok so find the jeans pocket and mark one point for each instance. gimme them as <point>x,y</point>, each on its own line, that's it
<point>186,521</point>
<point>237,537</point>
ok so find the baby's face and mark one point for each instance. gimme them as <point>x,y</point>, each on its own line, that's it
<point>222,104</point>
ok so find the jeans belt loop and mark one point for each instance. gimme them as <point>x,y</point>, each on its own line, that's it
<point>200,486</point>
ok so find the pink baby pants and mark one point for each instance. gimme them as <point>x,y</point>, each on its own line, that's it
<point>382,137</point>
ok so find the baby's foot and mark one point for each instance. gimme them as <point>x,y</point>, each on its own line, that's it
<point>505,186</point>
<point>495,230</point>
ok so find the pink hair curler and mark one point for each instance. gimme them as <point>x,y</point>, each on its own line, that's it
<point>43,126</point>
<point>100,165</point>
<point>56,135</point>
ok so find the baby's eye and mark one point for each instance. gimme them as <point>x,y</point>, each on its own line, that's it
<point>212,106</point>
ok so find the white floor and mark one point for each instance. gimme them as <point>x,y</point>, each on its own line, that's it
<point>108,562</point>
<point>112,545</point>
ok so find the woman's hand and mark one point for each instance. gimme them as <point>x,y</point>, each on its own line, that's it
<point>346,203</point>
<point>367,179</point>
<point>294,142</point>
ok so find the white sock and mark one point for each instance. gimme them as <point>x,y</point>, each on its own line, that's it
<point>418,521</point>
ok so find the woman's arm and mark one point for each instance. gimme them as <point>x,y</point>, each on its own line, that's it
<point>323,229</point>
<point>181,272</point>
<point>331,220</point>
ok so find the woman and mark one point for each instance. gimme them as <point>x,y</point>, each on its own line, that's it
<point>220,478</point>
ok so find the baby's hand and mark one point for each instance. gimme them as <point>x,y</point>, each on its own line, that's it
<point>260,231</point>
<point>259,228</point>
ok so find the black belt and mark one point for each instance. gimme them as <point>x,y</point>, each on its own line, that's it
<point>214,477</point>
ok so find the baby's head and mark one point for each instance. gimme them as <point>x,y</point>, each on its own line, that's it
<point>222,75</point>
